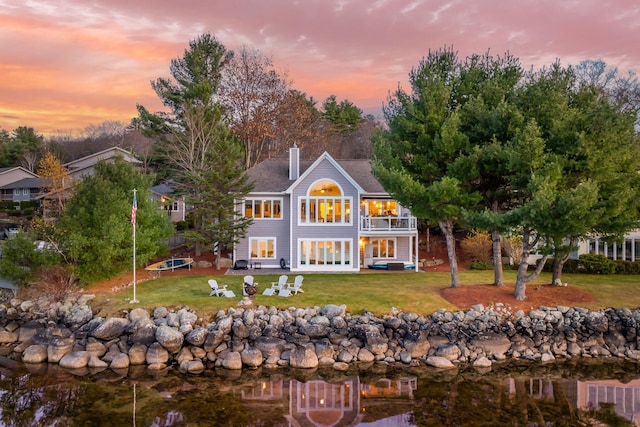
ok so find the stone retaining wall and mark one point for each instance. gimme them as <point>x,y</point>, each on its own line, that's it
<point>67,333</point>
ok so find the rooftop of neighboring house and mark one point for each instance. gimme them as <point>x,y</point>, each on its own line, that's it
<point>24,183</point>
<point>272,175</point>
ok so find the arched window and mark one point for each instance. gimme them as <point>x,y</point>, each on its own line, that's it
<point>325,188</point>
<point>325,203</point>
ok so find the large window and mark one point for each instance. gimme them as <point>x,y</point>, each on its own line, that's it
<point>263,247</point>
<point>379,207</point>
<point>324,204</point>
<point>384,248</point>
<point>263,208</point>
<point>325,252</point>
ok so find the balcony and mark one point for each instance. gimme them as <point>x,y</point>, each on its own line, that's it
<point>388,223</point>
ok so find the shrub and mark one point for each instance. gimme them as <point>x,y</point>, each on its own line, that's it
<point>477,246</point>
<point>627,267</point>
<point>182,225</point>
<point>475,265</point>
<point>596,264</point>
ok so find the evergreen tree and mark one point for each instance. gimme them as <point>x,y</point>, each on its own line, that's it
<point>95,227</point>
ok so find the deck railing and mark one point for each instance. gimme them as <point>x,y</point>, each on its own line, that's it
<point>388,223</point>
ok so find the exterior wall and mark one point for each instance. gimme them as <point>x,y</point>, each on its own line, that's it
<point>325,170</point>
<point>268,228</point>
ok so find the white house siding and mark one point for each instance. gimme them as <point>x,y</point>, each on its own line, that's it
<point>268,228</point>
<point>629,250</point>
<point>332,232</point>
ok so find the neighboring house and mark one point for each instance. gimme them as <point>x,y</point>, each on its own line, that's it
<point>84,166</point>
<point>327,215</point>
<point>628,250</point>
<point>174,207</point>
<point>18,184</point>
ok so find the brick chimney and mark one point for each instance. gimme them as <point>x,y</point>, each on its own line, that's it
<point>294,163</point>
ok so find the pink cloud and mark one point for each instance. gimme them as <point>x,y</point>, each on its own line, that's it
<point>73,63</point>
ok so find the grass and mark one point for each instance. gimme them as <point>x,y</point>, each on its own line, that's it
<point>374,292</point>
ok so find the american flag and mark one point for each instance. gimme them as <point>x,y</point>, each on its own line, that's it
<point>134,209</point>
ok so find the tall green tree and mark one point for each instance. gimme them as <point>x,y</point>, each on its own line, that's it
<point>194,140</point>
<point>345,116</point>
<point>95,227</point>
<point>489,119</point>
<point>412,158</point>
<point>575,167</point>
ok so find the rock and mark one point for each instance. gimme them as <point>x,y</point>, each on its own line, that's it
<point>251,357</point>
<point>340,366</point>
<point>482,362</point>
<point>439,362</point>
<point>170,338</point>
<point>8,337</point>
<point>95,347</point>
<point>365,355</point>
<point>138,354</point>
<point>331,310</point>
<point>121,361</point>
<point>196,337</point>
<point>58,348</point>
<point>112,328</point>
<point>192,367</point>
<point>304,358</point>
<point>29,330</point>
<point>75,360</point>
<point>495,345</point>
<point>448,351</point>
<point>233,361</point>
<point>35,354</point>
<point>95,362</point>
<point>156,354</point>
<point>142,330</point>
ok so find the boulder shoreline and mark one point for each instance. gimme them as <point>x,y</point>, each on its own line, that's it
<point>248,337</point>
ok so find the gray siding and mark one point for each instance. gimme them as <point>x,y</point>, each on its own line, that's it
<point>272,228</point>
<point>325,170</point>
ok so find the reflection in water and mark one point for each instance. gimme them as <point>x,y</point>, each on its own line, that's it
<point>510,395</point>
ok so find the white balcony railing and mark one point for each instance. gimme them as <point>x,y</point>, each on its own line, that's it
<point>388,223</point>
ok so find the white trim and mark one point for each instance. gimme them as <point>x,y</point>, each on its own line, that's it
<point>347,257</point>
<point>395,247</point>
<point>262,200</point>
<point>263,239</point>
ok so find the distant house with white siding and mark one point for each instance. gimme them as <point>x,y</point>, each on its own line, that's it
<point>323,215</point>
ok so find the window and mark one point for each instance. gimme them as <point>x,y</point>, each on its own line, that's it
<point>379,207</point>
<point>25,191</point>
<point>16,191</point>
<point>384,248</point>
<point>264,247</point>
<point>325,252</point>
<point>176,207</point>
<point>263,208</point>
<point>324,204</point>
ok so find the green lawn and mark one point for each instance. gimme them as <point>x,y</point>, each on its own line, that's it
<point>375,292</point>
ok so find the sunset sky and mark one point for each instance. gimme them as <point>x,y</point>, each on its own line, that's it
<point>66,64</point>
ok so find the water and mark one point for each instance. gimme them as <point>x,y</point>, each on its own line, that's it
<point>514,394</point>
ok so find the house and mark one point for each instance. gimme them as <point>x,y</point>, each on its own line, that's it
<point>85,165</point>
<point>174,207</point>
<point>326,215</point>
<point>18,184</point>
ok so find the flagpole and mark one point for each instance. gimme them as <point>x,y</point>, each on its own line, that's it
<point>134,211</point>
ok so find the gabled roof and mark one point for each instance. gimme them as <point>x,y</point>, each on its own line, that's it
<point>24,183</point>
<point>9,169</point>
<point>272,175</point>
<point>94,158</point>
